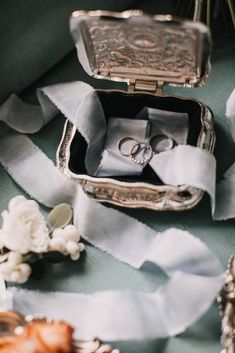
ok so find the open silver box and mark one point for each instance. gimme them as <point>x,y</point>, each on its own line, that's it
<point>148,53</point>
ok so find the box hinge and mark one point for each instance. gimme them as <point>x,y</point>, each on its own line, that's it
<point>146,86</point>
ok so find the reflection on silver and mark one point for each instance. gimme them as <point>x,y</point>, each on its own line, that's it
<point>226,301</point>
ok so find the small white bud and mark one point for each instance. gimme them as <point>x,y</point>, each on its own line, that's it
<point>75,256</point>
<point>72,247</point>
<point>71,233</point>
<point>57,244</point>
<point>25,269</point>
<point>15,276</point>
<point>58,233</point>
<point>81,247</point>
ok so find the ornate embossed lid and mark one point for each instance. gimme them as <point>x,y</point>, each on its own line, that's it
<point>131,46</point>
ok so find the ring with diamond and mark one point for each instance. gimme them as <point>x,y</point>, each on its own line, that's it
<point>142,146</point>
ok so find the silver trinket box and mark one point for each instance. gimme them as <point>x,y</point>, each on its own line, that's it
<point>148,53</point>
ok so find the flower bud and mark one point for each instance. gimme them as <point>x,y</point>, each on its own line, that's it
<point>58,233</point>
<point>71,233</point>
<point>75,256</point>
<point>72,247</point>
<point>81,247</point>
<point>57,244</point>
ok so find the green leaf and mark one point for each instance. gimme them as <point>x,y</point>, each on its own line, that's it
<point>60,216</point>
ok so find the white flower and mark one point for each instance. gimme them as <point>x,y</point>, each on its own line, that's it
<point>71,233</point>
<point>75,256</point>
<point>24,228</point>
<point>14,270</point>
<point>66,241</point>
<point>58,233</point>
<point>58,244</point>
<point>15,258</point>
<point>72,247</point>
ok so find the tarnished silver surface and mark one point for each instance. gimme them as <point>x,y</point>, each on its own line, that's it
<point>121,48</point>
<point>138,194</point>
<point>226,302</point>
<point>148,52</point>
<point>144,47</point>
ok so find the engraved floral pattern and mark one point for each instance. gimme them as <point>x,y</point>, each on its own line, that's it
<point>146,46</point>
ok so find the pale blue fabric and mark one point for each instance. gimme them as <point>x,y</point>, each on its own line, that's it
<point>195,274</point>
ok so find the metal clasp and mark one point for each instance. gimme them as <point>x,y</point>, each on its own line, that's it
<point>146,86</point>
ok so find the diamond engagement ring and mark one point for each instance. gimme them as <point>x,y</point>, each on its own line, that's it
<point>134,149</point>
<point>147,151</point>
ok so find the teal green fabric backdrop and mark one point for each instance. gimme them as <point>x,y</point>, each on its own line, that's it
<point>98,271</point>
<point>35,36</point>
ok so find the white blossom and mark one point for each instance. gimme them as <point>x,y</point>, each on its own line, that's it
<point>58,233</point>
<point>67,242</point>
<point>24,228</point>
<point>57,244</point>
<point>71,233</point>
<point>14,271</point>
<point>72,247</point>
<point>75,256</point>
<point>81,247</point>
<point>15,258</point>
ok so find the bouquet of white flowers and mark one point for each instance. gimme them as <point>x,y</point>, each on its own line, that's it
<point>25,237</point>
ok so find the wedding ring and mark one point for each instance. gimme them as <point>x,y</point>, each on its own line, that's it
<point>126,141</point>
<point>161,143</point>
<point>130,147</point>
<point>142,146</point>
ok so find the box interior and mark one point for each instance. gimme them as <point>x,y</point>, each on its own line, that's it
<point>127,105</point>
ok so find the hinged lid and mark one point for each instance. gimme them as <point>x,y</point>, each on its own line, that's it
<point>134,47</point>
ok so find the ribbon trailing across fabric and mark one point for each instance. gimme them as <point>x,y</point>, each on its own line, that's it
<point>195,275</point>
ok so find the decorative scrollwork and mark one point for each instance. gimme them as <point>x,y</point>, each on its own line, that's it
<point>154,48</point>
